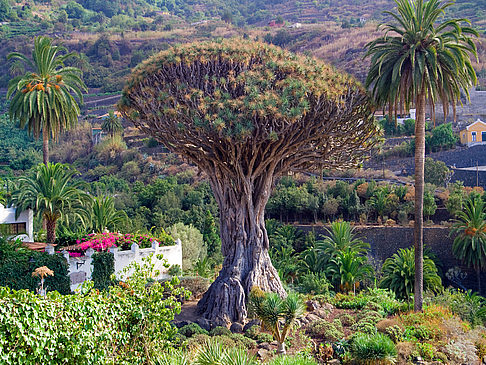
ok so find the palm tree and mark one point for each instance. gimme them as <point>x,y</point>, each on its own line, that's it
<point>53,194</point>
<point>42,99</point>
<point>275,314</point>
<point>347,269</point>
<point>470,229</point>
<point>340,238</point>
<point>105,215</point>
<point>420,60</point>
<point>112,124</point>
<point>399,273</point>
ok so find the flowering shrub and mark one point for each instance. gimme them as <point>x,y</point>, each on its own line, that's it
<point>104,241</point>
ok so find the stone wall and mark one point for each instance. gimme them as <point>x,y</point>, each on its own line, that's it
<point>385,241</point>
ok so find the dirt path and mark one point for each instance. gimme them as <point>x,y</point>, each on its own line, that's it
<point>188,312</point>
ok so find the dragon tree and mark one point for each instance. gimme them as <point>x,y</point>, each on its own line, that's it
<point>247,113</point>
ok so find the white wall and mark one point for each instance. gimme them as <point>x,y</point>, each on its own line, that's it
<point>7,215</point>
<point>81,268</point>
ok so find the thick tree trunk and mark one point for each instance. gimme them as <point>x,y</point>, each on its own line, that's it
<point>45,145</point>
<point>419,201</point>
<point>244,243</point>
<point>51,231</point>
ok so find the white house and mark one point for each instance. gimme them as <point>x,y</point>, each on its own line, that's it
<point>22,227</point>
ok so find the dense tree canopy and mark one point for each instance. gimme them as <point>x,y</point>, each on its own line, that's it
<point>247,113</point>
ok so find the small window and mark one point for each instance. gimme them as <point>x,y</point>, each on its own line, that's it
<point>473,135</point>
<point>13,229</point>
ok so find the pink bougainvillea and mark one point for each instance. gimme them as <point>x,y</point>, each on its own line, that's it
<point>104,241</point>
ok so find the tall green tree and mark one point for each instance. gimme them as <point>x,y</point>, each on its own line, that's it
<point>247,113</point>
<point>421,58</point>
<point>104,215</point>
<point>51,193</point>
<point>42,99</point>
<point>470,242</point>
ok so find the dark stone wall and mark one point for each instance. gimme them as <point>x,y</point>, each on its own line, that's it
<point>385,241</point>
<point>470,178</point>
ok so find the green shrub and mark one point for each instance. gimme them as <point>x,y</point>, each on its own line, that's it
<point>197,341</point>
<point>418,332</point>
<point>292,360</point>
<point>395,332</point>
<point>425,350</point>
<point>316,284</point>
<point>243,341</point>
<point>81,329</point>
<point>367,348</point>
<point>347,319</point>
<point>253,332</point>
<point>18,263</point>
<point>325,330</point>
<point>366,325</point>
<point>381,300</point>
<point>264,337</point>
<point>220,331</point>
<point>103,268</point>
<point>195,284</point>
<point>192,329</point>
<point>226,341</point>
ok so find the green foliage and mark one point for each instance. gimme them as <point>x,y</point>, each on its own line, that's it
<point>193,248</point>
<point>470,234</point>
<point>53,194</point>
<point>104,215</point>
<point>220,331</point>
<point>468,305</point>
<point>17,265</point>
<point>383,299</point>
<point>314,283</point>
<point>276,314</point>
<point>51,85</point>
<point>378,347</point>
<point>74,329</point>
<point>436,172</point>
<point>325,330</point>
<point>292,360</point>
<point>191,330</point>
<point>103,268</point>
<point>112,124</point>
<point>399,273</point>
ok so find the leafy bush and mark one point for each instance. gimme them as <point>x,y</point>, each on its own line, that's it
<point>193,247</point>
<point>326,330</point>
<point>292,360</point>
<point>382,300</point>
<point>220,331</point>
<point>191,330</point>
<point>368,348</point>
<point>195,284</point>
<point>83,329</point>
<point>243,341</point>
<point>469,306</point>
<point>314,283</point>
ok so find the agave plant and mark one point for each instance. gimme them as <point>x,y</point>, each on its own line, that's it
<point>213,353</point>
<point>277,315</point>
<point>175,357</point>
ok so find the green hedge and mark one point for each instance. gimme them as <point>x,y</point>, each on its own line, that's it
<point>18,263</point>
<point>103,267</point>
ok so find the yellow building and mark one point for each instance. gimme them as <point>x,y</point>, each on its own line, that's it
<point>474,133</point>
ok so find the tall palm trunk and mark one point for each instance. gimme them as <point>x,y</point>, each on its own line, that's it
<point>51,230</point>
<point>419,199</point>
<point>478,273</point>
<point>45,145</point>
